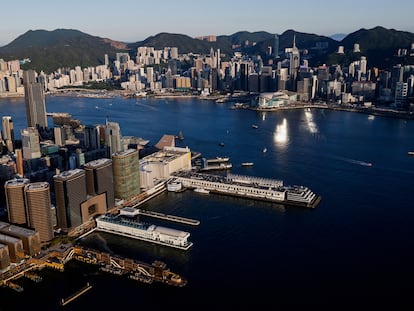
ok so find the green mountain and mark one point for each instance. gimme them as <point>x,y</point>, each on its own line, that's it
<point>50,50</point>
<point>379,45</point>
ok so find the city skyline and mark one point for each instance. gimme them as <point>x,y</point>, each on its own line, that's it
<point>135,21</point>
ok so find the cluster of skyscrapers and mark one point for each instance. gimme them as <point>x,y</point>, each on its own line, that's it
<point>58,180</point>
<point>157,71</point>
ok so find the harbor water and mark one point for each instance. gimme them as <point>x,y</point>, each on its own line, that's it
<point>356,247</point>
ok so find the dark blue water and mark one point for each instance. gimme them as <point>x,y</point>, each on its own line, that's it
<point>355,248</point>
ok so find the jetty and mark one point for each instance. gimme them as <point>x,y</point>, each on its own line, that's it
<point>187,221</point>
<point>83,290</point>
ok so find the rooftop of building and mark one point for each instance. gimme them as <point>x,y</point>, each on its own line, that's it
<point>97,163</point>
<point>68,174</point>
<point>17,182</point>
<point>7,238</point>
<point>124,153</point>
<point>166,155</point>
<point>13,229</point>
<point>37,186</point>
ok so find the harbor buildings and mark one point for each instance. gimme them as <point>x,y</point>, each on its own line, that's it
<point>160,165</point>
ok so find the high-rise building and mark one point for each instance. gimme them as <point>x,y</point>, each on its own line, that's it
<point>294,60</point>
<point>70,192</point>
<point>125,166</point>
<point>30,143</point>
<point>99,179</point>
<point>39,209</point>
<point>19,162</point>
<point>276,47</point>
<point>8,132</point>
<point>113,137</point>
<point>35,100</point>
<point>15,200</point>
<point>244,76</point>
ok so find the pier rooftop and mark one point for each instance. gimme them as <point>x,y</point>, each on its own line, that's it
<point>271,190</point>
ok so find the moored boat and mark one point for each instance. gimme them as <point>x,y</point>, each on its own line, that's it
<point>201,190</point>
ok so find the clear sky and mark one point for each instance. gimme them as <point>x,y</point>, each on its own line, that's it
<point>135,20</point>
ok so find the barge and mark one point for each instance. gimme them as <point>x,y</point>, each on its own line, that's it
<point>250,187</point>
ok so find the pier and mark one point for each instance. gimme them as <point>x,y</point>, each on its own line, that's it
<point>83,290</point>
<point>187,221</point>
<point>270,190</point>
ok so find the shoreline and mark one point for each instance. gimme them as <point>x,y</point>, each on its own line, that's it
<point>105,94</point>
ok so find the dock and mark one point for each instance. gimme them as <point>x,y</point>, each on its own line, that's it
<point>187,221</point>
<point>77,294</point>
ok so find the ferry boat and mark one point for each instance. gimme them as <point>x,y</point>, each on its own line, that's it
<point>247,164</point>
<point>129,227</point>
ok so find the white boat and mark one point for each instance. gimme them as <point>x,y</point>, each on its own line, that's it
<point>247,164</point>
<point>264,150</point>
<point>201,190</point>
<point>255,126</point>
<point>174,186</point>
<point>411,153</point>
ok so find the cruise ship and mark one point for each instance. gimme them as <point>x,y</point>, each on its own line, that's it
<point>126,226</point>
<point>250,187</point>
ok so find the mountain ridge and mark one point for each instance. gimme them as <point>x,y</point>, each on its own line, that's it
<point>50,50</point>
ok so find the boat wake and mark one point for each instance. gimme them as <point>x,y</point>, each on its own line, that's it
<point>353,161</point>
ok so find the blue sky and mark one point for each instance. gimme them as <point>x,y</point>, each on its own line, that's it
<point>134,20</point>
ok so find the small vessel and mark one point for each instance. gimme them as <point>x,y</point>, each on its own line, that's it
<point>174,186</point>
<point>221,144</point>
<point>411,153</point>
<point>247,164</point>
<point>255,126</point>
<point>201,190</point>
<point>264,150</point>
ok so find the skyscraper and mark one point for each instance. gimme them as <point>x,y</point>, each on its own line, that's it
<point>16,204</point>
<point>30,143</point>
<point>294,64</point>
<point>276,47</point>
<point>8,132</point>
<point>70,191</point>
<point>113,137</point>
<point>39,212</point>
<point>35,100</point>
<point>99,179</point>
<point>125,166</point>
